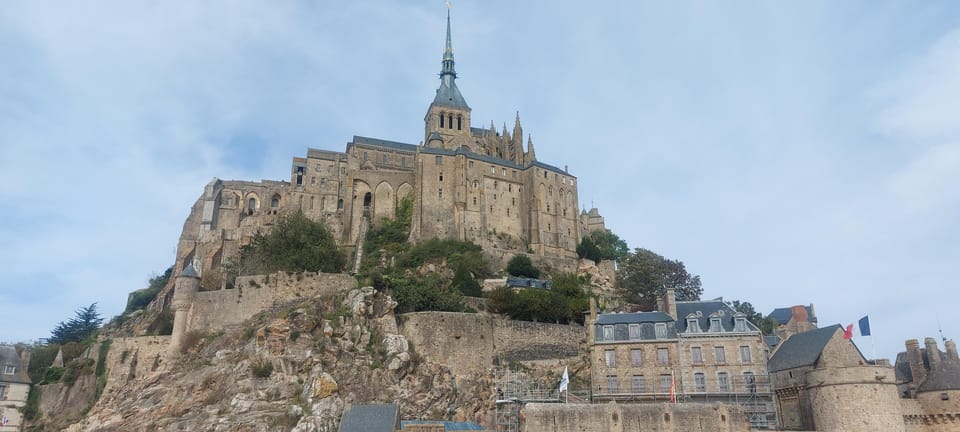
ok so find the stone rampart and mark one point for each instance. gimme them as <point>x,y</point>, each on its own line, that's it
<point>213,310</point>
<point>134,357</point>
<point>856,398</point>
<point>688,417</point>
<point>473,342</point>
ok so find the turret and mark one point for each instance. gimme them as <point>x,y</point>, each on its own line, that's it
<point>951,348</point>
<point>933,353</point>
<point>917,371</point>
<point>185,289</point>
<point>516,145</point>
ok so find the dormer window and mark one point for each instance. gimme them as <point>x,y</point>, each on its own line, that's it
<point>715,324</point>
<point>693,324</point>
<point>634,331</point>
<point>740,324</point>
<point>661,330</point>
<point>9,370</point>
<point>608,333</point>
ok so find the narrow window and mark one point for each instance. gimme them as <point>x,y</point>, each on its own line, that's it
<point>693,325</point>
<point>503,172</point>
<point>441,175</point>
<point>317,168</point>
<point>549,227</point>
<point>661,330</point>
<point>384,159</point>
<point>364,156</point>
<point>474,200</point>
<point>745,356</point>
<point>509,188</point>
<point>313,180</point>
<point>275,202</point>
<point>442,118</point>
<point>508,212</point>
<point>440,193</point>
<point>721,354</point>
<point>439,160</point>
<point>663,357</point>
<point>636,357</point>
<point>666,382</point>
<point>459,120</point>
<point>638,384</point>
<point>311,203</point>
<point>610,358</point>
<point>513,201</point>
<point>470,164</point>
<point>450,120</point>
<point>548,208</point>
<point>700,382</point>
<point>340,204</point>
<point>740,324</point>
<point>723,381</point>
<point>252,204</point>
<point>634,331</point>
<point>697,354</point>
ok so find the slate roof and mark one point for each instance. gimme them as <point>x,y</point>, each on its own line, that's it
<point>449,95</point>
<point>944,377</point>
<point>527,282</point>
<point>801,349</point>
<point>783,315</point>
<point>447,425</point>
<point>371,418</point>
<point>189,271</point>
<point>9,357</point>
<point>706,308</point>
<point>549,167</point>
<point>361,140</point>
<point>632,318</point>
<point>771,340</point>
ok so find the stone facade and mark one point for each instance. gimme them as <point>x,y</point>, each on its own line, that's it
<point>691,417</point>
<point>466,183</point>
<point>929,383</point>
<point>14,386</point>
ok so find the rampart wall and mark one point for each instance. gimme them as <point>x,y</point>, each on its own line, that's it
<point>856,398</point>
<point>130,358</point>
<point>212,310</point>
<point>474,342</point>
<point>688,417</point>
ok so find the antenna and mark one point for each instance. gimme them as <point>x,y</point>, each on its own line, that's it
<point>940,329</point>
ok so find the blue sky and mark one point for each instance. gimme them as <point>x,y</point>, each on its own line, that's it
<point>789,153</point>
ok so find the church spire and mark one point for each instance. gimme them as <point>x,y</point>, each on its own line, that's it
<point>448,55</point>
<point>448,94</point>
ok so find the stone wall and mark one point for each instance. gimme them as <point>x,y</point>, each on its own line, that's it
<point>634,418</point>
<point>214,310</point>
<point>857,398</point>
<point>134,357</point>
<point>470,343</point>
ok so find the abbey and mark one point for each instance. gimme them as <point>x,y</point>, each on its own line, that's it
<point>466,183</point>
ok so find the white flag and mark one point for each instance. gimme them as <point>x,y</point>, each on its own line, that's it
<point>564,380</point>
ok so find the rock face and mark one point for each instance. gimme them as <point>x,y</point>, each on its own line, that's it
<point>293,367</point>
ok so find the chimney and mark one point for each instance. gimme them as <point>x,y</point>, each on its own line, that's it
<point>25,358</point>
<point>799,314</point>
<point>933,353</point>
<point>951,348</point>
<point>670,303</point>
<point>916,363</point>
<point>591,318</point>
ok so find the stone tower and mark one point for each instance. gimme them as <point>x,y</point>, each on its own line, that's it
<point>187,285</point>
<point>447,123</point>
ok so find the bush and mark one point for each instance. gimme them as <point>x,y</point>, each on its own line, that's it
<point>426,294</point>
<point>261,368</point>
<point>52,375</point>
<point>521,266</point>
<point>31,411</point>
<point>295,244</point>
<point>141,298</point>
<point>564,303</point>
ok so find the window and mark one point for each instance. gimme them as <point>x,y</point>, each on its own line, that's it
<point>442,118</point>
<point>634,331</point>
<point>311,203</point>
<point>440,193</point>
<point>665,383</point>
<point>610,358</point>
<point>403,161</point>
<point>636,357</point>
<point>697,354</point>
<point>612,386</point>
<point>3,391</point>
<point>723,381</point>
<point>661,329</point>
<point>459,121</point>
<point>740,324</point>
<point>745,354</point>
<point>750,382</point>
<point>508,212</point>
<point>608,333</point>
<point>663,357</point>
<point>693,325</point>
<point>509,188</point>
<point>470,164</point>
<point>252,204</point>
<point>638,385</point>
<point>364,156</point>
<point>313,180</point>
<point>385,159</point>
<point>513,201</point>
<point>494,184</point>
<point>441,176</point>
<point>715,326</point>
<point>275,202</point>
<point>699,382</point>
<point>317,168</point>
<point>450,120</point>
<point>339,204</point>
<point>721,354</point>
<point>503,172</point>
<point>474,200</point>
<point>9,370</point>
<point>439,160</point>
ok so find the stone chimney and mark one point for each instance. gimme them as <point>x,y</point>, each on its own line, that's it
<point>916,364</point>
<point>669,303</point>
<point>25,358</point>
<point>951,348</point>
<point>933,353</point>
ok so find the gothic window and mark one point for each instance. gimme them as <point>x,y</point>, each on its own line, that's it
<point>252,204</point>
<point>442,118</point>
<point>340,204</point>
<point>275,201</point>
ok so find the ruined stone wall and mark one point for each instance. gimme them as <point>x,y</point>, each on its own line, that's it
<point>689,417</point>
<point>134,357</point>
<point>471,342</point>
<point>857,398</point>
<point>214,310</point>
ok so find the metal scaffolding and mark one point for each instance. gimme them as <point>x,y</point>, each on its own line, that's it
<point>514,389</point>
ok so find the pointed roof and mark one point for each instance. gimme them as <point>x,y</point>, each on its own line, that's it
<point>802,349</point>
<point>448,94</point>
<point>189,271</point>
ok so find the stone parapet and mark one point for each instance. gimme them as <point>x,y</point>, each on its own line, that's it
<point>688,417</point>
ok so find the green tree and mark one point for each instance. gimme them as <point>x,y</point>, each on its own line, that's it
<point>602,245</point>
<point>424,294</point>
<point>644,276</point>
<point>521,266</point>
<point>83,325</point>
<point>565,302</point>
<point>765,324</point>
<point>141,298</point>
<point>295,244</point>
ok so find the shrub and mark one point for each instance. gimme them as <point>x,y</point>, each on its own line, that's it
<point>295,244</point>
<point>261,368</point>
<point>425,294</point>
<point>141,298</point>
<point>52,375</point>
<point>520,265</point>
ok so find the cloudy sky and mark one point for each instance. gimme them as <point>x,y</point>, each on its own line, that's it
<point>789,153</point>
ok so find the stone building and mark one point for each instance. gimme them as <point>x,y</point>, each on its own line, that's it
<point>465,182</point>
<point>696,351</point>
<point>822,382</point>
<point>14,387</point>
<point>929,383</point>
<point>793,320</point>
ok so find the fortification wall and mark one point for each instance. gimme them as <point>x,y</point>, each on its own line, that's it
<point>212,310</point>
<point>134,357</point>
<point>688,417</point>
<point>472,342</point>
<point>930,412</point>
<point>837,395</point>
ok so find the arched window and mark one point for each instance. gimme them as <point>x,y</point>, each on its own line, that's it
<point>252,204</point>
<point>459,120</point>
<point>474,200</point>
<point>450,120</point>
<point>441,120</point>
<point>275,201</point>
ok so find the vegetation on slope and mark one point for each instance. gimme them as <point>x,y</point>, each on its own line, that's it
<point>294,244</point>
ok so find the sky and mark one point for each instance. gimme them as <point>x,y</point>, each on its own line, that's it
<point>786,152</point>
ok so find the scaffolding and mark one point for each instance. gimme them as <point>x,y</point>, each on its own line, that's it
<point>514,389</point>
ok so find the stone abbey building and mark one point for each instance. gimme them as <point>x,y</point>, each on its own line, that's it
<point>466,183</point>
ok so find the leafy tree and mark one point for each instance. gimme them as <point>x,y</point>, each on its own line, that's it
<point>644,276</point>
<point>83,325</point>
<point>564,303</point>
<point>295,244</point>
<point>389,235</point>
<point>424,294</point>
<point>464,282</point>
<point>602,245</point>
<point>521,266</point>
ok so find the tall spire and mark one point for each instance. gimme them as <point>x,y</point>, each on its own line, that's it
<point>448,94</point>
